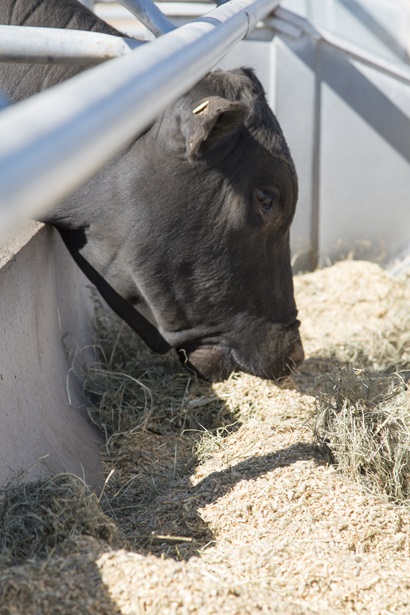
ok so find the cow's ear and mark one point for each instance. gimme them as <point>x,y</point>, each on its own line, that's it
<point>210,121</point>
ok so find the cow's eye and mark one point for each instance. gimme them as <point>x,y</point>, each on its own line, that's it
<point>266,200</point>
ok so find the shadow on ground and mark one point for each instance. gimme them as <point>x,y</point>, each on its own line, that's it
<point>157,505</point>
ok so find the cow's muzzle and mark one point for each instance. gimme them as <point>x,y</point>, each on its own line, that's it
<point>216,362</point>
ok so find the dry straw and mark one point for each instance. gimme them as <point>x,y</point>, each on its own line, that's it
<point>364,418</point>
<point>40,518</point>
<point>133,390</point>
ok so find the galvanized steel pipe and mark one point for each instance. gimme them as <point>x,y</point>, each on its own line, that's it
<point>54,141</point>
<point>51,45</point>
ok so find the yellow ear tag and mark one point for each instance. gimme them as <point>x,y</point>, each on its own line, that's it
<point>201,107</point>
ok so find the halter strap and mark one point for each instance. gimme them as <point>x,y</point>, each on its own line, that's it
<point>148,333</point>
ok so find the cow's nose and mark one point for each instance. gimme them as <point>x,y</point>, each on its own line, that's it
<point>296,355</point>
<point>214,363</point>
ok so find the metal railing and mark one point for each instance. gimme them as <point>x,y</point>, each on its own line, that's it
<point>54,46</point>
<point>54,141</point>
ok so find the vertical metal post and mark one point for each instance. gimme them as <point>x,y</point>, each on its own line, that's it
<point>150,15</point>
<point>88,3</point>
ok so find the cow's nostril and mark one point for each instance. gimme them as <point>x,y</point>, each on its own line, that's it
<point>295,324</point>
<point>214,363</point>
<point>297,354</point>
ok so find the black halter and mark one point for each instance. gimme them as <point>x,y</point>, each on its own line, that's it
<point>148,333</point>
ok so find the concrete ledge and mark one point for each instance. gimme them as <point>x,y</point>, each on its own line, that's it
<point>45,308</point>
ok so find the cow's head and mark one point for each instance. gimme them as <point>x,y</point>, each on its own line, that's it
<point>199,239</point>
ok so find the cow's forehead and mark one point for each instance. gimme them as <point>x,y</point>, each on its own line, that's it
<point>268,135</point>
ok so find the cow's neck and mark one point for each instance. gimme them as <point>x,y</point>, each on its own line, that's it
<point>148,333</point>
<point>95,244</point>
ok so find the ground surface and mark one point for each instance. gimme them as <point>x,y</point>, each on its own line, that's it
<point>223,500</point>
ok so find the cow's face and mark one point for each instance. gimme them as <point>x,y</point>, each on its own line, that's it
<point>210,255</point>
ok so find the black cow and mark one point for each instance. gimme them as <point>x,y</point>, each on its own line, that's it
<point>186,232</point>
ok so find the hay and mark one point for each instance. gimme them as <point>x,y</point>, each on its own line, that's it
<point>355,313</point>
<point>132,390</point>
<point>228,501</point>
<point>364,418</point>
<point>40,518</point>
<point>358,344</point>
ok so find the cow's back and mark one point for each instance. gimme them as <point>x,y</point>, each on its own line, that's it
<point>18,81</point>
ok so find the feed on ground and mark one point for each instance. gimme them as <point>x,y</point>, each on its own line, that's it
<point>240,497</point>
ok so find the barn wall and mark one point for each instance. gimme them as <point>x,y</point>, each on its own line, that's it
<point>45,317</point>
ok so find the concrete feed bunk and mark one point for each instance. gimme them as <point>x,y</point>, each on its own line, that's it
<point>45,310</point>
